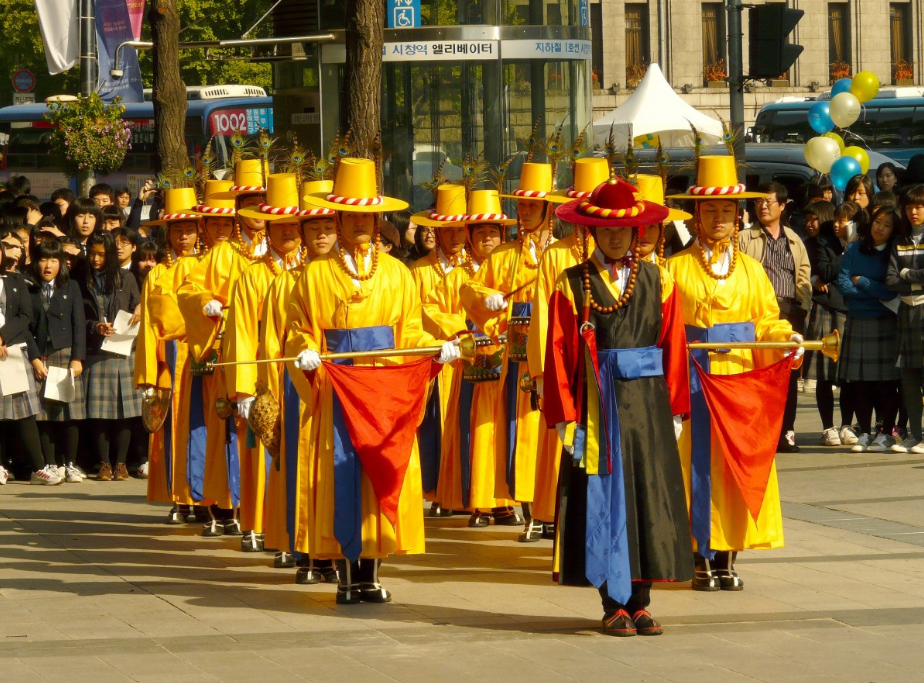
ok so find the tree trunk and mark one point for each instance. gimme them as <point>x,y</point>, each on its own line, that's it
<point>169,90</point>
<point>362,92</point>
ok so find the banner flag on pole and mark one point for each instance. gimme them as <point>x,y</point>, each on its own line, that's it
<point>58,22</point>
<point>114,26</point>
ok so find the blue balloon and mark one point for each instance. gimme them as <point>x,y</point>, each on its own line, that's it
<point>843,170</point>
<point>842,85</point>
<point>819,118</point>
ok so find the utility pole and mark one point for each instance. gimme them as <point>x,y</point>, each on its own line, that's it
<point>88,69</point>
<point>736,77</point>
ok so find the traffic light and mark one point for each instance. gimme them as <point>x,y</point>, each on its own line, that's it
<point>769,50</point>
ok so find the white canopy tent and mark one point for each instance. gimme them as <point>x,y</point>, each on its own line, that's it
<point>655,109</point>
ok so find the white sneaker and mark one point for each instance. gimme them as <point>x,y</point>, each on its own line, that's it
<point>83,475</point>
<point>848,436</point>
<point>62,472</point>
<point>4,475</point>
<point>48,475</point>
<point>829,437</point>
<point>72,475</point>
<point>880,444</point>
<point>143,470</point>
<point>862,444</point>
<point>917,448</point>
<point>905,446</point>
<point>810,385</point>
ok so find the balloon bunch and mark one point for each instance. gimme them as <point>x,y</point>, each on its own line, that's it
<point>828,153</point>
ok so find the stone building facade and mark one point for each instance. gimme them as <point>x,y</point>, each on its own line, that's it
<point>688,38</point>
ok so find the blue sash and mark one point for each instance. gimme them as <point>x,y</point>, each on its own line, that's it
<point>291,406</point>
<point>606,557</point>
<point>429,441</point>
<point>512,389</point>
<point>170,356</point>
<point>233,458</point>
<point>347,468</point>
<point>466,393</point>
<point>198,435</point>
<point>701,429</point>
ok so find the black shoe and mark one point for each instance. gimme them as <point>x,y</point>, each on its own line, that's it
<point>506,517</point>
<point>175,516</point>
<point>213,529</point>
<point>348,595</point>
<point>478,520</point>
<point>308,576</point>
<point>284,560</point>
<point>252,542</point>
<point>618,624</point>
<point>200,515</point>
<point>232,527</point>
<point>725,571</point>
<point>437,511</point>
<point>548,531</point>
<point>532,532</point>
<point>705,578</point>
<point>373,592</point>
<point>645,624</point>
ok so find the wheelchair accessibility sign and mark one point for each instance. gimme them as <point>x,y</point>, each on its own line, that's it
<point>403,13</point>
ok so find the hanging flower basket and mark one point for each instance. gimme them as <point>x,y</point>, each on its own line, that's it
<point>89,135</point>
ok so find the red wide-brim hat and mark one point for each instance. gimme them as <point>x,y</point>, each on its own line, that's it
<point>613,204</point>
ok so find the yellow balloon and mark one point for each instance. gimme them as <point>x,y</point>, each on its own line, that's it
<point>837,138</point>
<point>859,154</point>
<point>865,86</point>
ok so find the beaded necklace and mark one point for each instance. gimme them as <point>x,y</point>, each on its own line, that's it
<point>358,256</point>
<point>707,267</point>
<point>290,260</point>
<point>626,295</point>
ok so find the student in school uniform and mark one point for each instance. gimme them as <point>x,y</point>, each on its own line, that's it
<point>112,399</point>
<point>17,411</point>
<point>59,329</point>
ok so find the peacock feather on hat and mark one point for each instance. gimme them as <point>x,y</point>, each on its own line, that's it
<point>532,142</point>
<point>474,171</point>
<point>499,174</point>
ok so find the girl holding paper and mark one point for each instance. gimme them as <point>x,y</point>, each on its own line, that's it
<point>59,328</point>
<point>111,394</point>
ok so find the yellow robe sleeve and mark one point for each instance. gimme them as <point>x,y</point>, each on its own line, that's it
<point>212,278</point>
<point>509,269</point>
<point>242,329</point>
<point>150,367</point>
<point>442,309</point>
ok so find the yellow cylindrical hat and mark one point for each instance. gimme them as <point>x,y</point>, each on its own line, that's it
<point>536,183</point>
<point>248,178</point>
<point>449,209</point>
<point>179,204</point>
<point>651,188</point>
<point>214,189</point>
<point>484,207</point>
<point>282,200</point>
<point>717,178</point>
<point>588,174</point>
<point>355,189</point>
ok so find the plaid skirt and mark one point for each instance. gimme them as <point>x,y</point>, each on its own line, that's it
<point>910,336</point>
<point>822,321</point>
<point>111,392</point>
<point>869,350</point>
<point>25,404</point>
<point>58,411</point>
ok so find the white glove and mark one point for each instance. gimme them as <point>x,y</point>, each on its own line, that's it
<point>148,393</point>
<point>798,339</point>
<point>213,308</point>
<point>449,352</point>
<point>495,302</point>
<point>244,405</point>
<point>540,387</point>
<point>562,429</point>
<point>308,360</point>
<point>678,427</point>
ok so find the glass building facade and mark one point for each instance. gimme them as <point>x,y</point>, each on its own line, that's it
<point>472,78</point>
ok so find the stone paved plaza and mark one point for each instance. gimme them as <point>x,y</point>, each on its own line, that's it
<point>93,587</point>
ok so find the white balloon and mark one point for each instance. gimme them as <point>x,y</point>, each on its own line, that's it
<point>844,109</point>
<point>821,153</point>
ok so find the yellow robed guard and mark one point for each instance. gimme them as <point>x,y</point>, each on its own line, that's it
<point>241,341</point>
<point>428,272</point>
<point>286,488</point>
<point>498,300</point>
<point>355,298</point>
<point>248,190</point>
<point>467,467</point>
<point>204,298</point>
<point>725,296</point>
<point>162,357</point>
<point>650,245</point>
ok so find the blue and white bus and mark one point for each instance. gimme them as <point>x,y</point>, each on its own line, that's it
<point>214,112</point>
<point>891,124</point>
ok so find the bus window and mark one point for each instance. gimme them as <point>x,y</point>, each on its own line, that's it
<point>893,126</point>
<point>917,127</point>
<point>789,126</point>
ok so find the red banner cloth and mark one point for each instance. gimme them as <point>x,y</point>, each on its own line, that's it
<point>382,408</point>
<point>746,414</point>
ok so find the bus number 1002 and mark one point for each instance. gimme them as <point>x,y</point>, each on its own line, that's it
<point>228,122</point>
